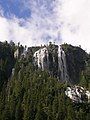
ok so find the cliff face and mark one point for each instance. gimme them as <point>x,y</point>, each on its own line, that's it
<point>53,59</point>
<point>65,62</point>
<point>75,58</point>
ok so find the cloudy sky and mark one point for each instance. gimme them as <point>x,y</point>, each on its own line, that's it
<point>35,22</point>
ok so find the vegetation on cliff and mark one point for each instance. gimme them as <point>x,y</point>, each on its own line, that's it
<point>32,94</point>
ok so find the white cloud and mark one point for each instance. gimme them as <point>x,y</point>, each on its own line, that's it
<point>4,31</point>
<point>76,17</point>
<point>70,18</point>
<point>36,30</point>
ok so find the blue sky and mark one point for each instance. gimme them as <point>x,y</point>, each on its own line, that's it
<point>14,7</point>
<point>35,22</point>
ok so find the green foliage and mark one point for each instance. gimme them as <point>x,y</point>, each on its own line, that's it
<point>34,95</point>
<point>85,75</point>
<point>6,62</point>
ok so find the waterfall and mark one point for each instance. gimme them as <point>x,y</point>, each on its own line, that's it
<point>41,58</point>
<point>62,68</point>
<point>42,61</point>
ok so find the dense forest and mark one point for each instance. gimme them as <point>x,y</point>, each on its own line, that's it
<point>32,94</point>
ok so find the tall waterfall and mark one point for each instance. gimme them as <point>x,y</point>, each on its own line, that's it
<point>46,60</point>
<point>41,58</point>
<point>62,68</point>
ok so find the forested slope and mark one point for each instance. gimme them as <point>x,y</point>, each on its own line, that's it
<point>32,94</point>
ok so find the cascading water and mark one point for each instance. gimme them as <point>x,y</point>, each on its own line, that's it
<point>62,68</point>
<point>41,58</point>
<point>43,61</point>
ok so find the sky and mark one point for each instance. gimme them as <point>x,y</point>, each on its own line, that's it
<point>36,22</point>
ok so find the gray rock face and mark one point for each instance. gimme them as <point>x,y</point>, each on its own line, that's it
<point>62,64</point>
<point>75,57</point>
<point>78,94</point>
<point>52,59</point>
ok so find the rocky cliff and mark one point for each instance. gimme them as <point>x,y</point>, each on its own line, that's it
<point>65,62</point>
